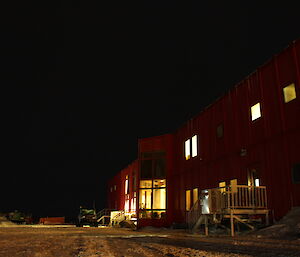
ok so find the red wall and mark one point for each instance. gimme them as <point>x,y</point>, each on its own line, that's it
<point>116,198</point>
<point>271,142</point>
<point>161,143</point>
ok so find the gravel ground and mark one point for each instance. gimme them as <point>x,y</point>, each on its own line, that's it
<point>91,242</point>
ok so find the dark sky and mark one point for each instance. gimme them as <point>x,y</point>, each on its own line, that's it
<point>83,80</point>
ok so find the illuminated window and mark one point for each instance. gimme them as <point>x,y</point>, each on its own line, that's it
<point>191,147</point>
<point>255,112</point>
<point>188,200</point>
<point>126,207</point>
<point>256,182</point>
<point>187,147</point>
<point>146,184</point>
<point>289,93</point>
<point>195,195</point>
<point>194,146</point>
<point>133,205</point>
<point>152,193</point>
<point>115,187</point>
<point>145,198</point>
<point>222,186</point>
<point>127,185</point>
<point>159,183</point>
<point>159,198</point>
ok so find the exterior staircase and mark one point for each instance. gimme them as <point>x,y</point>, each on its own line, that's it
<point>103,217</point>
<point>237,203</point>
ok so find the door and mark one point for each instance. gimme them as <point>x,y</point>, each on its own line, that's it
<point>253,177</point>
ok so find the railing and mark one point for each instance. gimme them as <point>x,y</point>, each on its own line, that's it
<point>103,216</point>
<point>193,214</point>
<point>117,218</point>
<point>218,200</point>
<point>104,212</point>
<point>244,197</point>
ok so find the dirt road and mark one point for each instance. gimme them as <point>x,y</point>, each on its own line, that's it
<point>92,242</point>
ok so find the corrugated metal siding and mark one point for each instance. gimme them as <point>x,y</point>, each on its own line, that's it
<point>271,143</point>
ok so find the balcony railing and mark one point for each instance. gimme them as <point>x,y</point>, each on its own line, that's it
<point>229,199</point>
<point>245,197</point>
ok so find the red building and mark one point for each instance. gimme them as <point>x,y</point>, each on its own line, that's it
<point>251,134</point>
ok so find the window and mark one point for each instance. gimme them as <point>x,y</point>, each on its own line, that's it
<point>115,187</point>
<point>146,169</point>
<point>194,146</point>
<point>133,205</point>
<point>195,195</point>
<point>255,112</point>
<point>155,167</point>
<point>127,185</point>
<point>187,200</point>
<point>153,200</point>
<point>159,198</point>
<point>289,93</point>
<point>253,177</point>
<point>191,147</point>
<point>220,131</point>
<point>296,173</point>
<point>152,187</point>
<point>159,168</point>
<point>187,149</point>
<point>145,198</point>
<point>256,182</point>
<point>146,184</point>
<point>159,183</point>
<point>126,207</point>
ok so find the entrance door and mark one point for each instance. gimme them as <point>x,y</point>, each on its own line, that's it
<point>253,177</point>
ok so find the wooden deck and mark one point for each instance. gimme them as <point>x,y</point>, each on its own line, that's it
<point>230,202</point>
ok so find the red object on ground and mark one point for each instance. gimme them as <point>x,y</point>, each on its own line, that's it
<point>52,220</point>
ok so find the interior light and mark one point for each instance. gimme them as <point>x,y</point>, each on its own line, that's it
<point>289,93</point>
<point>194,146</point>
<point>187,149</point>
<point>255,111</point>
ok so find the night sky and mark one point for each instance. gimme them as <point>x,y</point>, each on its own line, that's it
<point>83,80</point>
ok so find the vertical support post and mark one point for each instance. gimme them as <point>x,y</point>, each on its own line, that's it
<point>206,225</point>
<point>231,223</point>
<point>267,218</point>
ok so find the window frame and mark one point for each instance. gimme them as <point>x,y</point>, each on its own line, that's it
<point>188,199</point>
<point>285,93</point>
<point>194,139</point>
<point>252,112</point>
<point>189,148</point>
<point>158,160</point>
